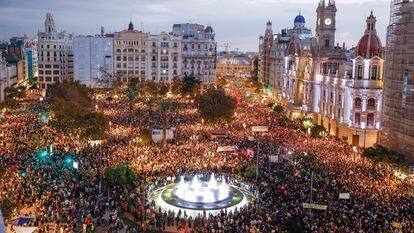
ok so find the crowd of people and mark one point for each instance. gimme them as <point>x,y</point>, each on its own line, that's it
<point>311,170</point>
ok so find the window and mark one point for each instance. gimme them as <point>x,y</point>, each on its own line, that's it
<point>371,103</point>
<point>357,119</point>
<point>374,72</point>
<point>358,102</point>
<point>370,120</point>
<point>326,43</point>
<point>360,71</point>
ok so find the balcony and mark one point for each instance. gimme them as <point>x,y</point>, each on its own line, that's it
<point>366,84</point>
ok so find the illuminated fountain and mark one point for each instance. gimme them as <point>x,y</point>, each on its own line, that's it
<point>200,192</point>
<point>197,194</point>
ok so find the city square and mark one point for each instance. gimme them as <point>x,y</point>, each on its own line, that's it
<point>132,131</point>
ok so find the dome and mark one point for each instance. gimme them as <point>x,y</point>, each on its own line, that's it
<point>369,46</point>
<point>299,19</point>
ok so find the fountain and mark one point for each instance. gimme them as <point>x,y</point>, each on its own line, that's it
<point>200,192</point>
<point>197,194</point>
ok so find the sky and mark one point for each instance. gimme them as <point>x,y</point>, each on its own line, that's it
<point>236,22</point>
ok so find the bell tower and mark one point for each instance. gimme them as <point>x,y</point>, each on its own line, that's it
<point>49,23</point>
<point>326,24</point>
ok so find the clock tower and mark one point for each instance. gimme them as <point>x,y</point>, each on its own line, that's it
<point>326,24</point>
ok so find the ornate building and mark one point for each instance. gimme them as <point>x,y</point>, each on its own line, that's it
<point>55,55</point>
<point>131,54</point>
<point>234,66</point>
<point>199,51</point>
<point>398,105</point>
<point>335,87</point>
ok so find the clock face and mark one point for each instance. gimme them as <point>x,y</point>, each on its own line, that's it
<point>328,21</point>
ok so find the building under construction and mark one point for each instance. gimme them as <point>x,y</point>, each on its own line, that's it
<point>398,103</point>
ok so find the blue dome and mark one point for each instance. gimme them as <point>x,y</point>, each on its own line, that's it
<point>300,19</point>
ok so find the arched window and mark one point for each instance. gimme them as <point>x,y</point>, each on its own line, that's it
<point>371,103</point>
<point>358,102</point>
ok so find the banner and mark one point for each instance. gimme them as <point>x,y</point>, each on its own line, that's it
<point>314,206</point>
<point>274,159</point>
<point>226,148</point>
<point>260,128</point>
<point>344,196</point>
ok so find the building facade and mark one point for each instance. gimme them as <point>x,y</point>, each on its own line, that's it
<point>165,57</point>
<point>55,54</point>
<point>93,60</point>
<point>131,54</point>
<point>234,66</point>
<point>8,76</point>
<point>398,105</point>
<point>199,51</point>
<point>338,88</point>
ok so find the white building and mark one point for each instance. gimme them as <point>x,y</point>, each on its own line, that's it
<point>164,57</point>
<point>55,55</point>
<point>131,54</point>
<point>8,76</point>
<point>199,51</point>
<point>93,59</point>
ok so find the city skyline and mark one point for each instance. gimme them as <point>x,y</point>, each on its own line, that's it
<point>231,26</point>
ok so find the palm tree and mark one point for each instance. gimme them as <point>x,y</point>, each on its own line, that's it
<point>166,107</point>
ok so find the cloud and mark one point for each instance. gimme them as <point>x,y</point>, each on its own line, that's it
<point>238,22</point>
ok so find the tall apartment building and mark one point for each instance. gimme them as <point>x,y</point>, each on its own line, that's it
<point>55,55</point>
<point>398,105</point>
<point>8,76</point>
<point>199,51</point>
<point>93,60</point>
<point>165,57</point>
<point>131,54</point>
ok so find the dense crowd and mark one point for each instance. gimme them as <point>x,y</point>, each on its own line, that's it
<point>78,200</point>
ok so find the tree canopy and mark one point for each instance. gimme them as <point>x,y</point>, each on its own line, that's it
<point>120,175</point>
<point>214,105</point>
<point>380,154</point>
<point>74,112</point>
<point>190,85</point>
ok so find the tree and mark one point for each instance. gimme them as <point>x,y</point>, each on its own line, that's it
<point>74,111</point>
<point>379,154</point>
<point>163,89</point>
<point>249,173</point>
<point>9,103</point>
<point>176,86</point>
<point>145,136</point>
<point>14,92</point>
<point>215,105</point>
<point>122,174</point>
<point>278,109</point>
<point>166,107</point>
<point>190,85</point>
<point>317,131</point>
<point>221,82</point>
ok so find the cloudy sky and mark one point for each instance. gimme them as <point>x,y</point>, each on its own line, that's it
<point>237,22</point>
